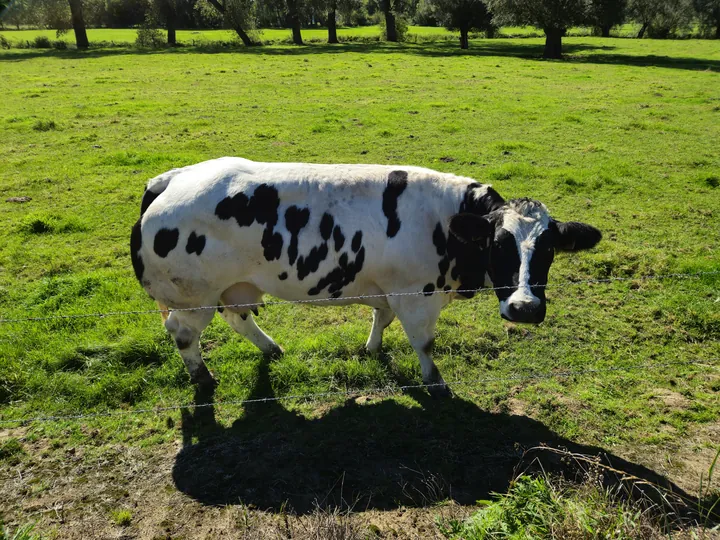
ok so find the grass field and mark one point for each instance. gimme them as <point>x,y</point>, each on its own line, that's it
<point>622,134</point>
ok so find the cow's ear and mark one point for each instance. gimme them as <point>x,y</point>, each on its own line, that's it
<point>574,236</point>
<point>471,229</point>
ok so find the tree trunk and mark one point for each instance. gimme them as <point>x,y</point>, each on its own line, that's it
<point>553,42</point>
<point>641,33</point>
<point>605,30</point>
<point>78,23</point>
<point>332,24</point>
<point>390,29</point>
<point>238,29</point>
<point>172,41</point>
<point>294,18</point>
<point>464,44</point>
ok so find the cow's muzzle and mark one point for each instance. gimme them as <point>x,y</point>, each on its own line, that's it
<point>526,309</point>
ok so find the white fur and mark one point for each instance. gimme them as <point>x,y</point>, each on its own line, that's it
<point>526,221</point>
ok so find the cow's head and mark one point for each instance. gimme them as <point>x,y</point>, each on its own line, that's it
<point>522,240</point>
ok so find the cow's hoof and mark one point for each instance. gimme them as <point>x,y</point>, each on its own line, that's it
<point>439,391</point>
<point>204,380</point>
<point>275,352</point>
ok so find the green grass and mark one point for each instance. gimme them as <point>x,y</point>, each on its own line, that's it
<point>542,507</point>
<point>275,35</point>
<point>623,134</point>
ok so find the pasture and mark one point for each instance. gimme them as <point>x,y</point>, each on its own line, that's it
<point>622,134</point>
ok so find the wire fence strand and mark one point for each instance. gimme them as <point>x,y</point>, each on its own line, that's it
<point>385,391</point>
<point>343,299</point>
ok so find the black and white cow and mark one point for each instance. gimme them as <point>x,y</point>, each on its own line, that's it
<point>229,230</point>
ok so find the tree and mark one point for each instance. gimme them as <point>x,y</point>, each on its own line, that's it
<point>660,18</point>
<point>19,12</point>
<point>604,14</point>
<point>553,16</point>
<point>238,15</point>
<point>708,11</point>
<point>293,16</point>
<point>386,6</point>
<point>463,15</point>
<point>166,11</point>
<point>78,24</point>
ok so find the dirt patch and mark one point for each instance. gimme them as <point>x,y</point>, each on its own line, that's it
<point>72,495</point>
<point>672,400</point>
<point>684,461</point>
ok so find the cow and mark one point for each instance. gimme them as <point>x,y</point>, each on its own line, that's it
<point>227,231</point>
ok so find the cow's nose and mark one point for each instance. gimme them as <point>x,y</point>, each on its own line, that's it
<point>526,312</point>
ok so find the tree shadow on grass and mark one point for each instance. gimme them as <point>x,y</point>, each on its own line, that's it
<point>379,454</point>
<point>575,52</point>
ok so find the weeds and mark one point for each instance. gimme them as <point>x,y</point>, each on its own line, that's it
<point>121,518</point>
<point>45,125</point>
<point>42,42</point>
<point>23,533</point>
<point>544,507</point>
<point>10,451</point>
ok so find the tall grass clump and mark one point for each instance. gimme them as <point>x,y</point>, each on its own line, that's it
<point>23,533</point>
<point>545,507</point>
<point>42,42</point>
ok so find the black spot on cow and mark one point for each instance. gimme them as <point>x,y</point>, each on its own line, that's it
<point>428,289</point>
<point>165,241</point>
<point>310,263</point>
<point>447,288</point>
<point>272,243</point>
<point>339,238</point>
<point>470,262</point>
<point>195,243</point>
<point>283,276</point>
<point>356,241</point>
<point>262,207</point>
<point>238,207</point>
<point>135,245</point>
<point>326,226</point>
<point>295,219</point>
<point>428,348</point>
<point>343,274</point>
<point>439,240</point>
<point>396,184</point>
<point>480,205</point>
<point>444,265</point>
<point>147,200</point>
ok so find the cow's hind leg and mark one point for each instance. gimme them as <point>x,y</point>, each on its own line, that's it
<point>239,300</point>
<point>382,317</point>
<point>419,315</point>
<point>244,324</point>
<point>186,327</point>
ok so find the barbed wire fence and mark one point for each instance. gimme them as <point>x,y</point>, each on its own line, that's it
<point>384,391</point>
<point>344,299</point>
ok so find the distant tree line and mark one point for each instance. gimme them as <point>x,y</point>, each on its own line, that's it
<point>658,18</point>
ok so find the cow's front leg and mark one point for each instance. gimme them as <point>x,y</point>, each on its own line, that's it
<point>244,324</point>
<point>185,327</point>
<point>418,316</point>
<point>382,317</point>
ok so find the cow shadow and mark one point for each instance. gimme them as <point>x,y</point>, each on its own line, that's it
<point>372,453</point>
